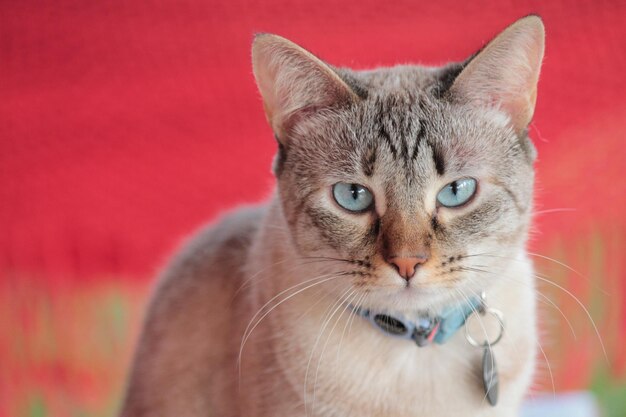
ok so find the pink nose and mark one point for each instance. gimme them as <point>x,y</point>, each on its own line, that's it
<point>406,264</point>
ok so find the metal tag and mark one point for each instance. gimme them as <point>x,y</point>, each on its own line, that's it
<point>425,331</point>
<point>490,375</point>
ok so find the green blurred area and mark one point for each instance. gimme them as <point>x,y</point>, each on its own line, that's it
<point>610,392</point>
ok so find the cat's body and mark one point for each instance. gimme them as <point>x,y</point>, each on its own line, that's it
<point>253,317</point>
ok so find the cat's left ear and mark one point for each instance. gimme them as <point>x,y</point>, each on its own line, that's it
<point>504,73</point>
<point>294,82</point>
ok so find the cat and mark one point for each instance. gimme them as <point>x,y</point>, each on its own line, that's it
<point>405,191</point>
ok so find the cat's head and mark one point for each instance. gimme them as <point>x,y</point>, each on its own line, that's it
<point>412,181</point>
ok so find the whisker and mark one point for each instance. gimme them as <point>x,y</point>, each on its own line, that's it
<point>569,268</point>
<point>278,295</point>
<point>357,306</point>
<point>553,304</point>
<point>358,297</point>
<point>248,331</point>
<point>554,210</point>
<point>540,346</point>
<point>545,299</point>
<point>548,281</point>
<point>359,262</point>
<point>469,303</point>
<point>319,361</point>
<point>325,322</point>
<point>320,299</point>
<point>248,280</point>
<point>482,325</point>
<point>549,368</point>
<point>593,323</point>
<point>322,328</point>
<point>564,265</point>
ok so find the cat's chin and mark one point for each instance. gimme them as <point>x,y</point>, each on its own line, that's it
<point>408,299</point>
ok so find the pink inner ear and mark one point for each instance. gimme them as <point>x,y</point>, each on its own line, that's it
<point>292,81</point>
<point>520,110</point>
<point>265,74</point>
<point>505,73</point>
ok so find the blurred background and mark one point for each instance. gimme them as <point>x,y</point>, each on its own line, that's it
<point>124,126</point>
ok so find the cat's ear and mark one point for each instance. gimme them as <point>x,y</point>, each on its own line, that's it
<point>504,73</point>
<point>293,81</point>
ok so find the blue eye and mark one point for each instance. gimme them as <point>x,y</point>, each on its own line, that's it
<point>457,192</point>
<point>352,197</point>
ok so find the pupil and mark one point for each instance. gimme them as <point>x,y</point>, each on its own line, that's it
<point>354,190</point>
<point>454,187</point>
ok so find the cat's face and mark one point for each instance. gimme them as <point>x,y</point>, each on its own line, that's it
<point>404,150</point>
<point>413,188</point>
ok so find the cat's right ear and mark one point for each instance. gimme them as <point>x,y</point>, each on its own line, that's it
<point>294,82</point>
<point>505,72</point>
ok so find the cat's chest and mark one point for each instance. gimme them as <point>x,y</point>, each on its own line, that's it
<point>434,385</point>
<point>365,373</point>
<point>348,368</point>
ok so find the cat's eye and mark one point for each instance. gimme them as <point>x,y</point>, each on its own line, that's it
<point>352,197</point>
<point>457,192</point>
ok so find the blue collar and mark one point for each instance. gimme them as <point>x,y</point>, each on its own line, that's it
<point>423,329</point>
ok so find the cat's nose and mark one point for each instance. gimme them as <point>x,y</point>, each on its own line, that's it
<point>406,265</point>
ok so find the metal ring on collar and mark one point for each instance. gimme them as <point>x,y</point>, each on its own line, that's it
<point>499,317</point>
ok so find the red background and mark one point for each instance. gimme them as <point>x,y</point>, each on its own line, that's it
<point>126,125</point>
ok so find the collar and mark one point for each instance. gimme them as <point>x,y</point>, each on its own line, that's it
<point>423,328</point>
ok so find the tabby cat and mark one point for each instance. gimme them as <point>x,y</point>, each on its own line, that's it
<point>402,193</point>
